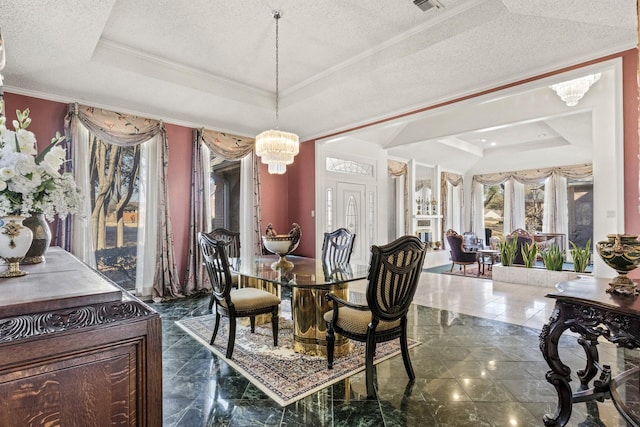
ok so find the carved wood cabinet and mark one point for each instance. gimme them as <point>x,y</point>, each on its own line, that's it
<point>76,350</point>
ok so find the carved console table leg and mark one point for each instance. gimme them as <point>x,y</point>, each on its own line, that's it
<point>584,307</point>
<point>591,368</point>
<point>560,374</point>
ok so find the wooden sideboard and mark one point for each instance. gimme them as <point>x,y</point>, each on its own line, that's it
<point>77,350</point>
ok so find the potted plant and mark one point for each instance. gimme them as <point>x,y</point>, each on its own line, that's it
<point>529,253</point>
<point>580,256</point>
<point>553,258</point>
<point>507,250</point>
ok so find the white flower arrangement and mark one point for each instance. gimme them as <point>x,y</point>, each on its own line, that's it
<point>32,182</point>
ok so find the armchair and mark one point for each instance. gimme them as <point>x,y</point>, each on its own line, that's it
<point>524,238</point>
<point>459,255</point>
<point>393,277</point>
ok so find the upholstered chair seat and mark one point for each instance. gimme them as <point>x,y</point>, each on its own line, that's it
<point>357,321</point>
<point>248,299</point>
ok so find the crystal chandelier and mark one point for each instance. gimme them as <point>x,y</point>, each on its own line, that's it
<point>573,90</point>
<point>275,147</point>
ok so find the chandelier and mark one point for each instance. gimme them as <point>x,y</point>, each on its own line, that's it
<point>573,90</point>
<point>275,147</point>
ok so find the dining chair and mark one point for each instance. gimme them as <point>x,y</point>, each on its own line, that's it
<point>394,271</point>
<point>337,246</point>
<point>234,303</point>
<point>232,246</point>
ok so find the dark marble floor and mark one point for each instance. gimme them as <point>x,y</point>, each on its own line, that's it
<point>470,372</point>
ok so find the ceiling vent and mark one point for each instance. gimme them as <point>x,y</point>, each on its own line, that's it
<point>425,5</point>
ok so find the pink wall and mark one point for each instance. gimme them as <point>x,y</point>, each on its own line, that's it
<point>302,196</point>
<point>179,186</point>
<point>274,200</point>
<point>631,148</point>
<point>47,118</point>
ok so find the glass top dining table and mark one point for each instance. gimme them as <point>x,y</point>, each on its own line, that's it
<point>306,272</point>
<point>309,281</point>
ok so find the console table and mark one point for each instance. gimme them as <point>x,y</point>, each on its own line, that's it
<point>584,307</point>
<point>76,349</point>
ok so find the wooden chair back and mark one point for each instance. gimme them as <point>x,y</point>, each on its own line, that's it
<point>216,262</point>
<point>394,272</point>
<point>337,246</point>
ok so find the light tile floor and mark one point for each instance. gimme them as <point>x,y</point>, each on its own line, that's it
<point>516,304</point>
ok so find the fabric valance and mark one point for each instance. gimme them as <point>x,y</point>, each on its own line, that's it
<point>396,168</point>
<point>452,178</point>
<point>117,128</point>
<point>225,145</point>
<point>531,176</point>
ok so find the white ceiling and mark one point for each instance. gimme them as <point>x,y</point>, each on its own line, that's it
<point>342,64</point>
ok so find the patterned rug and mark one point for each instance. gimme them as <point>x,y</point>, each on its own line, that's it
<point>472,271</point>
<point>285,376</point>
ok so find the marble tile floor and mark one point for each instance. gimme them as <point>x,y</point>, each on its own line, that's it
<point>479,365</point>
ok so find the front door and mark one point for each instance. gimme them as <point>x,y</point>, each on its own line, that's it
<point>351,214</point>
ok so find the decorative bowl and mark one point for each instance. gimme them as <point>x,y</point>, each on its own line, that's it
<point>282,245</point>
<point>622,253</point>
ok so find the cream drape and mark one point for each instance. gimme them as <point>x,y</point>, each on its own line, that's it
<point>555,194</point>
<point>514,214</point>
<point>477,207</point>
<point>156,248</point>
<point>452,202</point>
<point>81,244</point>
<point>397,169</point>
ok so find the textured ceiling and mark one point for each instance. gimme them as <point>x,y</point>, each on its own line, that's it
<point>212,63</point>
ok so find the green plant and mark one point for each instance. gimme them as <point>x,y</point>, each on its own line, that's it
<point>507,250</point>
<point>553,258</point>
<point>580,256</point>
<point>529,253</point>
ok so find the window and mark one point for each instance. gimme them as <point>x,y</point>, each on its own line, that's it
<point>533,207</point>
<point>225,193</point>
<point>580,209</point>
<point>494,209</point>
<point>114,203</point>
<point>329,209</point>
<point>348,166</point>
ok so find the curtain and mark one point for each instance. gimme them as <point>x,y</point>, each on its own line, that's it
<point>200,214</point>
<point>81,235</point>
<point>555,194</point>
<point>451,194</point>
<point>477,207</point>
<point>155,249</point>
<point>514,215</point>
<point>227,147</point>
<point>250,242</point>
<point>397,169</point>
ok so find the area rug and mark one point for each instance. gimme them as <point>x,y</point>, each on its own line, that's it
<point>282,374</point>
<point>472,271</point>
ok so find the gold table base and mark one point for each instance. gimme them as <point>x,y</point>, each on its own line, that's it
<point>308,307</point>
<point>309,327</point>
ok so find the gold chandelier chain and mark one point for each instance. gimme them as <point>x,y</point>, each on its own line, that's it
<point>276,15</point>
